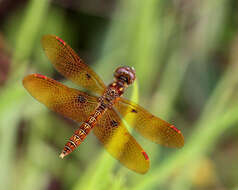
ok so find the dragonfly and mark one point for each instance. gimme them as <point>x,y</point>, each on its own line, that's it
<point>101,108</point>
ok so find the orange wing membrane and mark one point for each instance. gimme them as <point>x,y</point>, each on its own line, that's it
<point>68,63</point>
<point>149,126</point>
<point>69,102</point>
<point>113,134</point>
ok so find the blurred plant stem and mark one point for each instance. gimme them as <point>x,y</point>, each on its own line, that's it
<point>170,85</point>
<point>99,173</point>
<point>191,176</point>
<point>12,96</point>
<point>181,181</point>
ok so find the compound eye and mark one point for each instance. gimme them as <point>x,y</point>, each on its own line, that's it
<point>125,74</point>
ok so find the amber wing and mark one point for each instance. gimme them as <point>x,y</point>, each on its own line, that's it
<point>69,102</point>
<point>148,125</point>
<point>113,134</point>
<point>68,63</point>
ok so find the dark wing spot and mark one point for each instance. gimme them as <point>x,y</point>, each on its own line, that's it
<point>114,123</point>
<point>134,111</point>
<point>88,76</point>
<point>82,99</point>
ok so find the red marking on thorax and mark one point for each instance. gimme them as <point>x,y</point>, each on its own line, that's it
<point>118,87</point>
<point>174,128</point>
<point>60,40</point>
<point>145,155</point>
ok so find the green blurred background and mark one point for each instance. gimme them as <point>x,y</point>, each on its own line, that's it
<point>185,56</point>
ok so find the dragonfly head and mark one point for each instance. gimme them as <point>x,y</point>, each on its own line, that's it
<point>125,74</point>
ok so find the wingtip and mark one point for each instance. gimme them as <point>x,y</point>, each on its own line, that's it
<point>180,138</point>
<point>25,80</point>
<point>28,78</point>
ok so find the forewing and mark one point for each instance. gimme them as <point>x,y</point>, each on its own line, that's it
<point>68,63</point>
<point>148,125</point>
<point>113,134</point>
<point>69,102</point>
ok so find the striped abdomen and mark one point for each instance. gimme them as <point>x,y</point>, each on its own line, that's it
<point>80,134</point>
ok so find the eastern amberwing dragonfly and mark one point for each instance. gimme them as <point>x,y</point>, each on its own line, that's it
<point>102,111</point>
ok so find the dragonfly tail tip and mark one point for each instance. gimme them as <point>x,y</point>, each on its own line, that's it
<point>62,155</point>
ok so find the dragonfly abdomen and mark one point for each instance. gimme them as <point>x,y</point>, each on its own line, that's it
<point>81,133</point>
